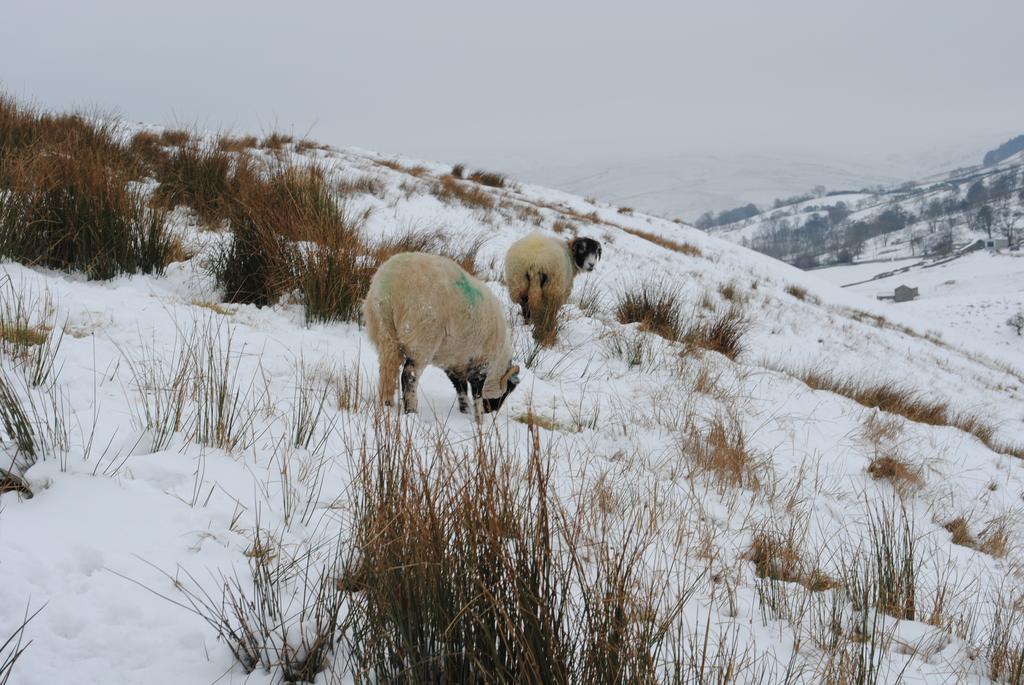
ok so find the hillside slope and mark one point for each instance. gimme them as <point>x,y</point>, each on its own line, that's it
<point>760,504</point>
<point>932,216</point>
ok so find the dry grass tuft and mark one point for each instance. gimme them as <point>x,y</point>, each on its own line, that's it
<point>72,205</point>
<point>903,475</point>
<point>363,185</point>
<point>489,178</point>
<point>197,176</point>
<point>897,399</point>
<point>450,190</point>
<point>276,141</point>
<point>960,532</point>
<point>564,226</point>
<point>655,307</point>
<point>626,210</point>
<point>723,332</point>
<point>776,554</point>
<point>730,291</point>
<point>722,453</point>
<point>237,143</point>
<point>532,419</point>
<point>994,538</point>
<point>682,248</point>
<point>799,292</point>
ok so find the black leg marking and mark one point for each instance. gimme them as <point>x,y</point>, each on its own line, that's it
<point>459,381</point>
<point>409,378</point>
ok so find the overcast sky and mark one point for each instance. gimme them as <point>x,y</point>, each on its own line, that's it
<point>556,81</point>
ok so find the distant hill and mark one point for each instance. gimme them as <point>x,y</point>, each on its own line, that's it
<point>928,217</point>
<point>1007,149</point>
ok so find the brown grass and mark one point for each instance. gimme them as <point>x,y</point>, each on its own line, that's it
<point>197,176</point>
<point>730,291</point>
<point>722,453</point>
<point>563,226</point>
<point>723,332</point>
<point>682,248</point>
<point>655,307</point>
<point>960,531</point>
<point>276,141</point>
<point>363,185</point>
<point>776,554</point>
<point>450,190</point>
<point>73,207</point>
<point>237,143</point>
<point>903,475</point>
<point>994,538</point>
<point>626,210</point>
<point>797,291</point>
<point>470,571</point>
<point>897,399</point>
<point>489,178</point>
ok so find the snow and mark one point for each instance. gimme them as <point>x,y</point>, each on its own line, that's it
<point>968,299</point>
<point>112,521</point>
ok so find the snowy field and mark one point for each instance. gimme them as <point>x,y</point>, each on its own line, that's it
<point>123,517</point>
<point>968,299</point>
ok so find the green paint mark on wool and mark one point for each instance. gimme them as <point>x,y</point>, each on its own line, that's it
<point>473,295</point>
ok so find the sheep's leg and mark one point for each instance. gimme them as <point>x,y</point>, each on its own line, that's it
<point>545,326</point>
<point>409,377</point>
<point>524,306</point>
<point>390,360</point>
<point>476,388</point>
<point>459,381</point>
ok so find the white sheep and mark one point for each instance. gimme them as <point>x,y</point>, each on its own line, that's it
<point>539,272</point>
<point>423,309</point>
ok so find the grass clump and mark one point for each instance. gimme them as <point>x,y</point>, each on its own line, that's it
<point>489,178</point>
<point>902,474</point>
<point>723,332</point>
<point>450,191</point>
<point>797,291</point>
<point>470,571</point>
<point>682,248</point>
<point>276,141</point>
<point>198,176</point>
<point>70,211</point>
<point>721,453</point>
<point>776,555</point>
<point>911,404</point>
<point>656,308</point>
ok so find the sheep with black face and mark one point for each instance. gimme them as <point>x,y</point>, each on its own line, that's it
<point>539,273</point>
<point>423,309</point>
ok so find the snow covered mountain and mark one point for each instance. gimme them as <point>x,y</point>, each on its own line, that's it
<point>745,473</point>
<point>688,185</point>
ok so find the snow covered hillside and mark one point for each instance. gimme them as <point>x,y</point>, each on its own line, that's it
<point>837,501</point>
<point>969,299</point>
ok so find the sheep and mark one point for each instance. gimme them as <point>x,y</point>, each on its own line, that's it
<point>539,272</point>
<point>423,309</point>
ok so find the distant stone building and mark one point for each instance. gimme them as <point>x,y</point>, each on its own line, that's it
<point>903,293</point>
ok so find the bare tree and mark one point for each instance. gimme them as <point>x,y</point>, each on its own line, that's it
<point>1006,221</point>
<point>1017,322</point>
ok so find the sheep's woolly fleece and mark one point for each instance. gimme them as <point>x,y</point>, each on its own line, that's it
<point>526,260</point>
<point>427,308</point>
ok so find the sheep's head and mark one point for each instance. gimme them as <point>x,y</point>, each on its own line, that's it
<point>585,253</point>
<point>509,381</point>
